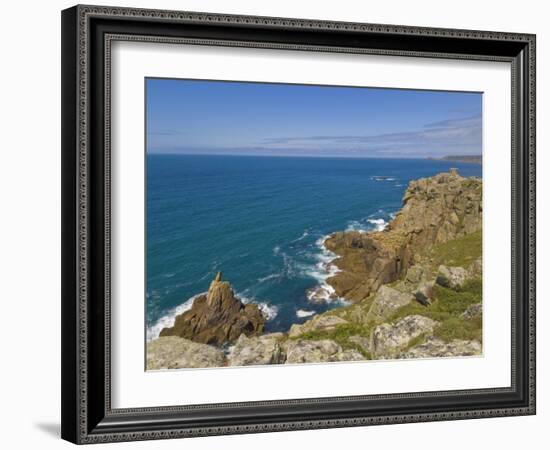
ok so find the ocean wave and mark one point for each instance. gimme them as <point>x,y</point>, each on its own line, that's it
<point>303,313</point>
<point>379,224</point>
<point>303,236</point>
<point>169,318</point>
<point>321,270</point>
<point>269,277</point>
<point>382,178</point>
<point>355,225</point>
<point>268,311</point>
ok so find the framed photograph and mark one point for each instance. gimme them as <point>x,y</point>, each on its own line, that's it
<point>277,224</point>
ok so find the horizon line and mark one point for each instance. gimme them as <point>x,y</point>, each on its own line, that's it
<point>437,158</point>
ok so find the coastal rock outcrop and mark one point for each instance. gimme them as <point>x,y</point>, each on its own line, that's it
<point>435,210</point>
<point>318,323</point>
<point>325,350</point>
<point>434,347</point>
<point>249,351</point>
<point>451,277</point>
<point>389,340</point>
<point>387,301</point>
<point>173,352</point>
<point>217,317</point>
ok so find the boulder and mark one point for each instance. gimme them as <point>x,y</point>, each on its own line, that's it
<point>326,350</point>
<point>259,350</point>
<point>386,302</point>
<point>414,275</point>
<point>388,340</point>
<point>436,348</point>
<point>451,277</point>
<point>217,317</point>
<point>323,322</point>
<point>177,353</point>
<point>473,311</point>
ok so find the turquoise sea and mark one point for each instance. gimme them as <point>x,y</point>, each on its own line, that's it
<point>261,221</point>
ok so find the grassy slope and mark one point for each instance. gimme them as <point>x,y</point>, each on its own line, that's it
<point>446,308</point>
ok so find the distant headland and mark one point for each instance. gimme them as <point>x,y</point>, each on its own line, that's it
<point>474,159</point>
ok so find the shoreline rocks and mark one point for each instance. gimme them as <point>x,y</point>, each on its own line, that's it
<point>217,317</point>
<point>173,352</point>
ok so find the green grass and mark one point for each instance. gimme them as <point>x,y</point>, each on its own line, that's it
<point>447,309</point>
<point>458,252</point>
<point>341,335</point>
<point>459,328</point>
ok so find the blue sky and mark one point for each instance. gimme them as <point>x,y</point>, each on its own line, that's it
<point>212,117</point>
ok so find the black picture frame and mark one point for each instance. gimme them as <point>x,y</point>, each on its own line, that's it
<point>87,415</point>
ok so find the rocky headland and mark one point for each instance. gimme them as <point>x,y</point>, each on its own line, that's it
<point>414,288</point>
<point>217,317</point>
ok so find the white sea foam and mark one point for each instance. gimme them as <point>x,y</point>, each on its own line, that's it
<point>268,311</point>
<point>268,277</point>
<point>382,178</point>
<point>303,236</point>
<point>355,225</point>
<point>379,224</point>
<point>321,271</point>
<point>169,318</point>
<point>304,313</point>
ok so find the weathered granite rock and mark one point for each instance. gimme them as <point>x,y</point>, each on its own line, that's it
<point>451,277</point>
<point>389,340</point>
<point>435,210</point>
<point>473,311</point>
<point>362,342</point>
<point>173,352</point>
<point>264,349</point>
<point>323,322</point>
<point>415,275</point>
<point>326,350</point>
<point>387,301</point>
<point>217,317</point>
<point>436,348</point>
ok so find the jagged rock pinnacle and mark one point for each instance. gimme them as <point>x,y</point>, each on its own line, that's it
<point>218,276</point>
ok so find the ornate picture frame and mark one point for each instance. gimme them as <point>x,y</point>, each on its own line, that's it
<point>87,35</point>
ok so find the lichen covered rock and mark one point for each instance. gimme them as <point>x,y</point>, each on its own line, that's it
<point>388,340</point>
<point>387,301</point>
<point>436,348</point>
<point>259,350</point>
<point>451,277</point>
<point>324,322</point>
<point>326,350</point>
<point>173,352</point>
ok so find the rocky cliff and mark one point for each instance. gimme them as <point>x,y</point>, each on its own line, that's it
<point>217,317</point>
<point>435,210</point>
